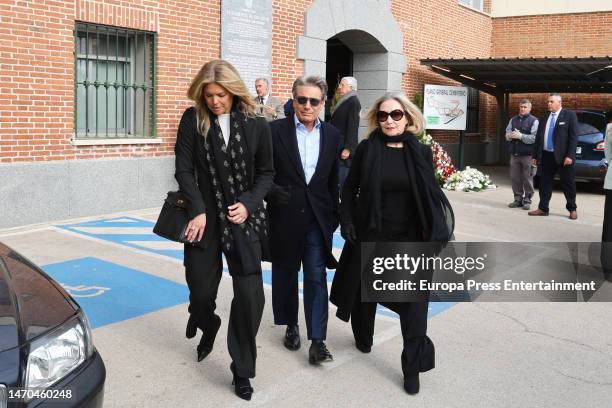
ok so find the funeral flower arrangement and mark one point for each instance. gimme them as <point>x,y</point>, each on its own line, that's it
<point>450,178</point>
<point>443,165</point>
<point>468,180</point>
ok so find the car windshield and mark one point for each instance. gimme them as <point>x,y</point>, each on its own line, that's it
<point>586,129</point>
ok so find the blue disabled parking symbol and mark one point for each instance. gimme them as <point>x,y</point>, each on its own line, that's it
<point>110,293</point>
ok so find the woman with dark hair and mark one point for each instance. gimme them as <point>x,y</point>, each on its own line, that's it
<point>224,168</point>
<point>390,195</point>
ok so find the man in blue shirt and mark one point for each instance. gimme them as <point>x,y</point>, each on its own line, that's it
<point>303,209</point>
<point>555,151</point>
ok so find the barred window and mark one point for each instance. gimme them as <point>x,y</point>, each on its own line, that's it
<point>476,4</point>
<point>115,82</point>
<point>473,108</point>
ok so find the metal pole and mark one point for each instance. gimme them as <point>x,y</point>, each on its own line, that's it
<point>86,81</point>
<point>500,126</point>
<point>76,85</point>
<point>96,82</point>
<point>461,149</point>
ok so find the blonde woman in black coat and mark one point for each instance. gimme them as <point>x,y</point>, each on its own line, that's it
<point>224,167</point>
<point>390,195</point>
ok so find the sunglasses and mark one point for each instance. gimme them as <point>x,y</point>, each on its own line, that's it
<point>302,100</point>
<point>396,115</point>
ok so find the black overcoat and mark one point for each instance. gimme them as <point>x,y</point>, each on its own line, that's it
<point>346,119</point>
<point>288,225</point>
<point>194,178</point>
<point>356,209</point>
<point>565,136</point>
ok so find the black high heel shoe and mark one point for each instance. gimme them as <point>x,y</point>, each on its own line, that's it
<point>242,386</point>
<point>208,339</point>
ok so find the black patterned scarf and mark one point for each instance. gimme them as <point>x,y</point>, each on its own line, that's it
<point>231,168</point>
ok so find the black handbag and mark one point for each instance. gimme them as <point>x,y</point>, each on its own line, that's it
<point>173,218</point>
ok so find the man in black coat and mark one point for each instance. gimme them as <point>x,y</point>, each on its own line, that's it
<point>555,150</point>
<point>303,208</point>
<point>346,118</point>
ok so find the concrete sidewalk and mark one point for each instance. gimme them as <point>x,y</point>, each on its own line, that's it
<point>488,354</point>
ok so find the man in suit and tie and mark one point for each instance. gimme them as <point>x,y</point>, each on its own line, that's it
<point>271,107</point>
<point>555,150</point>
<point>303,208</point>
<point>346,118</point>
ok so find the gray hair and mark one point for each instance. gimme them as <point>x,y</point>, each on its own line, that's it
<point>312,80</point>
<point>265,80</point>
<point>525,102</point>
<point>558,95</point>
<point>351,81</point>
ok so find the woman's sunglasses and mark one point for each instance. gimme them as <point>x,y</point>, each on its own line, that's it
<point>302,100</point>
<point>396,115</point>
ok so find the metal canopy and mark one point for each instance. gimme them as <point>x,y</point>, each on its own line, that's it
<point>604,74</point>
<point>498,76</point>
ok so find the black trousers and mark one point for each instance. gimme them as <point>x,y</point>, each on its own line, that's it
<point>568,182</point>
<point>418,354</point>
<point>203,269</point>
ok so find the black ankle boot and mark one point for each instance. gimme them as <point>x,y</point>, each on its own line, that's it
<point>242,385</point>
<point>364,348</point>
<point>208,339</point>
<point>192,327</point>
<point>412,384</point>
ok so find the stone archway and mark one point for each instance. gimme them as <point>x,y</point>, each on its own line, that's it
<point>369,29</point>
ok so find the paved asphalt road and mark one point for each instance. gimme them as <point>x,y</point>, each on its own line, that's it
<point>488,354</point>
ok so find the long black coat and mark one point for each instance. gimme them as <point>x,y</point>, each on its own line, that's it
<point>194,178</point>
<point>565,136</point>
<point>355,209</point>
<point>346,119</point>
<point>288,226</point>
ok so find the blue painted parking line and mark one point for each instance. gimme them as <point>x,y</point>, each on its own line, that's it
<point>138,233</point>
<point>128,231</point>
<point>112,293</point>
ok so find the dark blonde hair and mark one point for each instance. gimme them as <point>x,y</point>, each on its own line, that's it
<point>416,121</point>
<point>225,75</point>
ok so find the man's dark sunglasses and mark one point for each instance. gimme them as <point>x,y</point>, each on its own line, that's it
<point>396,115</point>
<point>314,102</point>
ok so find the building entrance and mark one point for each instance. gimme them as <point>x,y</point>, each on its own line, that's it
<point>339,64</point>
<point>365,42</point>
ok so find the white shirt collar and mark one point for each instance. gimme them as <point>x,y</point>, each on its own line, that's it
<point>297,122</point>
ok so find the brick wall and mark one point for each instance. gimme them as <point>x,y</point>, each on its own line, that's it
<point>570,101</point>
<point>287,24</point>
<point>37,70</point>
<point>555,35</point>
<point>188,37</point>
<point>37,62</point>
<point>36,74</point>
<point>444,29</point>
